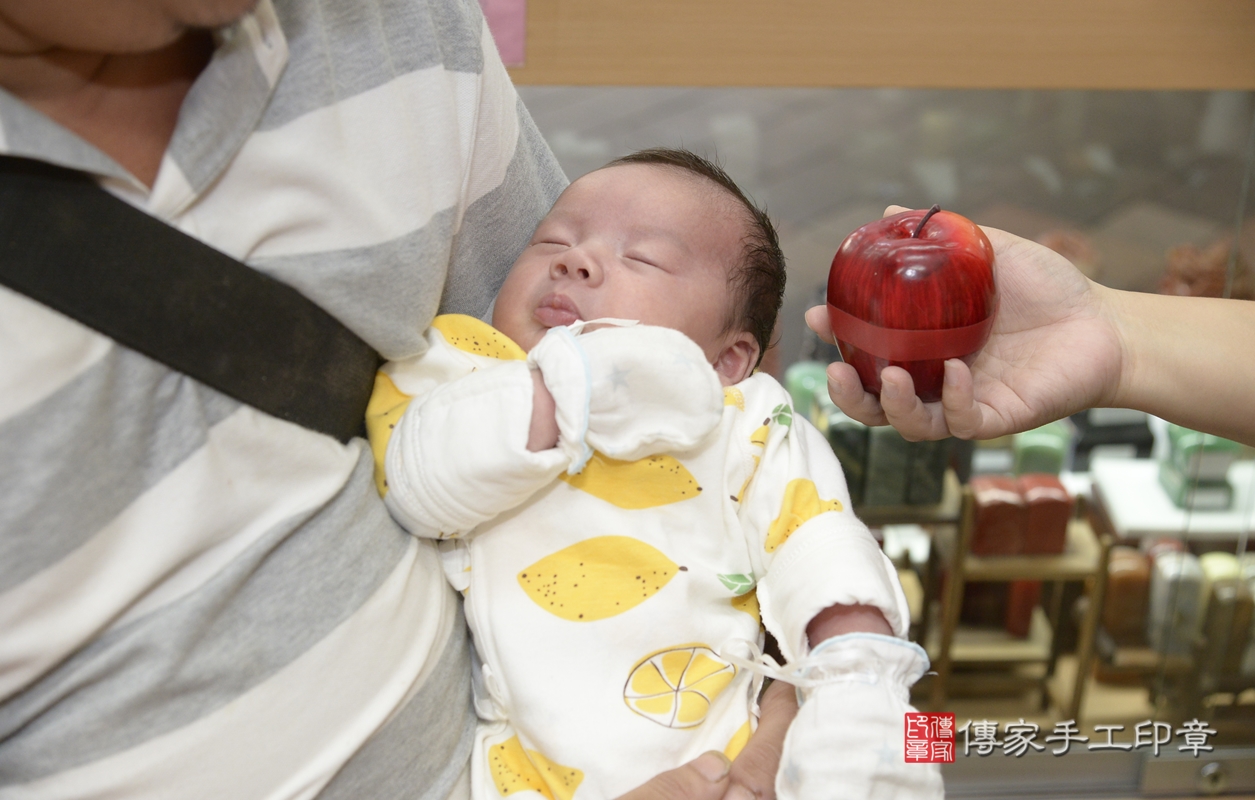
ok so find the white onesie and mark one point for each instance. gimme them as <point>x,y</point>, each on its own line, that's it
<point>603,604</point>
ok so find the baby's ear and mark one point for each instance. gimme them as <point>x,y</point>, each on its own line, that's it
<point>737,359</point>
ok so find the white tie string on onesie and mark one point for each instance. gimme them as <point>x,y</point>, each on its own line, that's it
<point>846,742</point>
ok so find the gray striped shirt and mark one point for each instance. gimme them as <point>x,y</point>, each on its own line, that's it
<point>198,600</point>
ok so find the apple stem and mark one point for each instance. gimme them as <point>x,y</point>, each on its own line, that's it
<point>927,217</point>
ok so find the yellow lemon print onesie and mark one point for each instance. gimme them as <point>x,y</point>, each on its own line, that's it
<point>604,604</point>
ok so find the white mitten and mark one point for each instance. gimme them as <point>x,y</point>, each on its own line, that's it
<point>627,392</point>
<point>846,742</point>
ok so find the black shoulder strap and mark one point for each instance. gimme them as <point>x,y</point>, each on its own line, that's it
<point>72,246</point>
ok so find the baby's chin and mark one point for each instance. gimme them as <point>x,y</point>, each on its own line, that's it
<point>525,337</point>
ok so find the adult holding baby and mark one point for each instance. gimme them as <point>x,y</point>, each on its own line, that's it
<point>198,599</point>
<point>1062,343</point>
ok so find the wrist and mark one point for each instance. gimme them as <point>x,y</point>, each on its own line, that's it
<point>543,434</point>
<point>839,619</point>
<point>1119,310</point>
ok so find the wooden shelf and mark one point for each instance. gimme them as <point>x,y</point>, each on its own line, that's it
<point>1084,559</point>
<point>1001,682</point>
<point>980,645</point>
<point>1077,562</point>
<point>1141,660</point>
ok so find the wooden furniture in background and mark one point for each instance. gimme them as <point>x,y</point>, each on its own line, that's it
<point>945,513</point>
<point>971,44</point>
<point>1084,559</point>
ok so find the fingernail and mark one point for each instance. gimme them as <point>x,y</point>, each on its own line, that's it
<point>951,377</point>
<point>712,765</point>
<point>889,390</point>
<point>739,792</point>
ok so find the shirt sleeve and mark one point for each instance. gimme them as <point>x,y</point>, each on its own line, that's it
<point>510,181</point>
<point>449,431</point>
<point>795,509</point>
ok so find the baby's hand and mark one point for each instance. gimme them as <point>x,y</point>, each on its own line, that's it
<point>847,739</point>
<point>628,392</point>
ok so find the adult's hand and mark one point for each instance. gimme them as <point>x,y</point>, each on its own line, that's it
<point>1055,349</point>
<point>751,776</point>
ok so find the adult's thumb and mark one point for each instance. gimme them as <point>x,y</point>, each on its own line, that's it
<point>703,778</point>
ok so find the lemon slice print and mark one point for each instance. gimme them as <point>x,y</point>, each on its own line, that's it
<point>517,770</point>
<point>676,686</point>
<point>733,396</point>
<point>738,741</point>
<point>597,578</point>
<point>801,503</point>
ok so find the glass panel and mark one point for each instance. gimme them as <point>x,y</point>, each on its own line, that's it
<point>1147,191</point>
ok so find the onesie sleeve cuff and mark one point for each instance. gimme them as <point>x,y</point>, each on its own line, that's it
<point>460,457</point>
<point>830,560</point>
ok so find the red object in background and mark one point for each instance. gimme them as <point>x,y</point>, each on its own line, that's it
<point>912,290</point>
<point>1022,598</point>
<point>507,22</point>
<point>1204,272</point>
<point>984,603</point>
<point>1000,515</point>
<point>1049,510</point>
<point>1128,596</point>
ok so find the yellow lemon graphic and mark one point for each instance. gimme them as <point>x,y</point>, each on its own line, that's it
<point>748,603</point>
<point>741,494</point>
<point>737,743</point>
<point>759,436</point>
<point>474,336</point>
<point>758,439</point>
<point>597,578</point>
<point>675,687</point>
<point>517,770</point>
<point>387,404</point>
<point>801,503</point>
<point>733,396</point>
<point>653,481</point>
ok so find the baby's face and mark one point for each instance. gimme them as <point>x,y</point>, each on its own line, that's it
<point>634,241</point>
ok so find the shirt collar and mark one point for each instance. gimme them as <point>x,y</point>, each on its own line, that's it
<point>221,110</point>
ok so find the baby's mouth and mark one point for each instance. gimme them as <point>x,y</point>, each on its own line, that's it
<point>556,309</point>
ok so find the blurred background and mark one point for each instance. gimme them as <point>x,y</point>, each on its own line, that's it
<point>1115,179</point>
<point>1092,573</point>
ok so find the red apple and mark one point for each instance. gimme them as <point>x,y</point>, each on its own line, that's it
<point>912,290</point>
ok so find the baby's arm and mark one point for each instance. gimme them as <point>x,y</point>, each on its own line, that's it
<point>834,603</point>
<point>839,619</point>
<point>822,573</point>
<point>450,431</point>
<point>474,427</point>
<point>543,433</point>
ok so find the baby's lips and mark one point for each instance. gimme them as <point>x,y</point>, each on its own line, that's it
<point>556,309</point>
<point>554,317</point>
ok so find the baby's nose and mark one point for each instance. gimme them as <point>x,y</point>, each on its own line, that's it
<point>576,264</point>
<point>571,270</point>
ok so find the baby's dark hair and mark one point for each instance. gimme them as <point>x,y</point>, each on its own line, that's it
<point>757,283</point>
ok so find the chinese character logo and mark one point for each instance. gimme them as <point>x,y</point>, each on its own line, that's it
<point>929,738</point>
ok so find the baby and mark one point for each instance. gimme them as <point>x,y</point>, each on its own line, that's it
<point>621,501</point>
